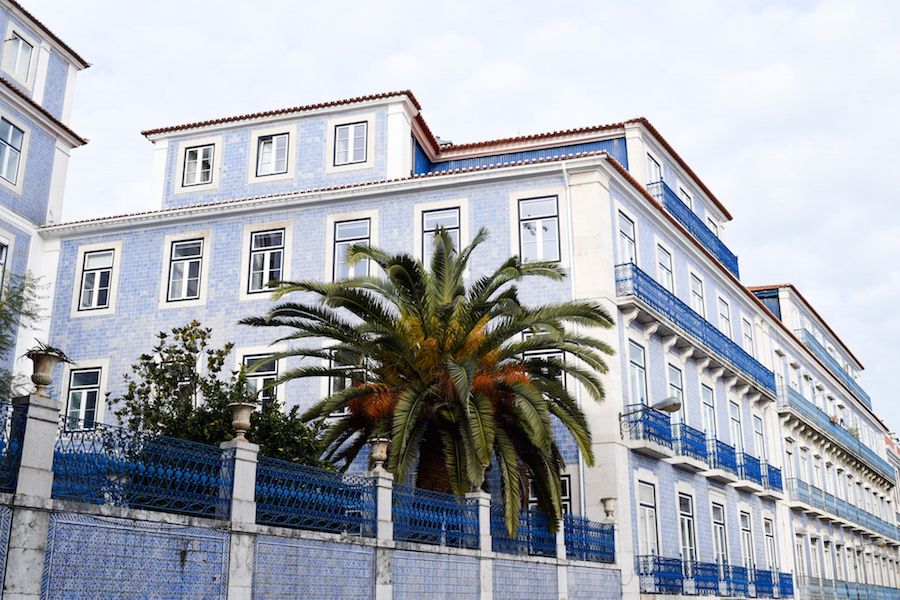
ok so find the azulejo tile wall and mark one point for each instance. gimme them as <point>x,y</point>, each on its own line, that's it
<point>5,524</point>
<point>436,577</point>
<point>586,583</point>
<point>515,580</point>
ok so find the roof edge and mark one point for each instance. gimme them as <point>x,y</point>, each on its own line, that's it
<point>82,63</point>
<point>80,141</point>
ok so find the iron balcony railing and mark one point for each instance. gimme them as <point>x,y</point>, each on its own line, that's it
<point>749,468</point>
<point>533,536</point>
<point>722,456</point>
<point>12,429</point>
<point>589,540</point>
<point>801,491</point>
<point>683,213</point>
<point>689,442</point>
<point>816,588</point>
<point>632,281</point>
<point>791,398</point>
<point>674,576</point>
<point>819,350</point>
<point>772,479</point>
<point>644,423</point>
<point>434,518</point>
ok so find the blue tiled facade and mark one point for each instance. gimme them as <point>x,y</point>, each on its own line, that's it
<point>436,576</point>
<point>514,580</point>
<point>586,583</point>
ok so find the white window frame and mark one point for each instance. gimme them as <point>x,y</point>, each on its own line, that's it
<point>686,196</point>
<point>19,184</point>
<point>747,336</point>
<point>643,368</point>
<point>675,387</point>
<point>565,496</point>
<point>242,352</point>
<point>719,501</point>
<point>688,519</point>
<point>561,214</point>
<point>327,384</point>
<point>85,365</point>
<point>330,146</point>
<point>181,161</point>
<point>205,270</point>
<point>709,412</point>
<point>293,156</point>
<point>713,225</point>
<point>419,211</point>
<point>748,551</point>
<point>652,546</point>
<point>116,247</point>
<point>249,230</point>
<point>549,217</point>
<point>331,220</point>
<point>658,167</point>
<point>736,426</point>
<point>30,76</point>
<point>720,301</point>
<point>692,275</point>
<point>771,543</point>
<point>665,276</point>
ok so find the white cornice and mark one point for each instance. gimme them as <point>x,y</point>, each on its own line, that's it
<point>50,126</point>
<point>47,37</point>
<point>17,220</point>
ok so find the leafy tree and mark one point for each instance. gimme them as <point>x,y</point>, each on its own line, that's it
<point>449,370</point>
<point>18,308</point>
<point>167,394</point>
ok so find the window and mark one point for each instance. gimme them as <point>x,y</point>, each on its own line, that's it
<point>4,256</point>
<point>771,548</point>
<point>713,226</point>
<point>814,558</point>
<point>637,373</point>
<point>788,459</point>
<point>654,171</point>
<point>346,234</point>
<point>565,487</point>
<point>84,394</point>
<point>686,529</point>
<point>198,165</point>
<point>433,221</point>
<point>839,566</point>
<point>272,155</point>
<point>724,317</point>
<point>720,535</point>
<point>539,229</point>
<point>185,263</point>
<point>627,246</point>
<point>350,143</point>
<point>686,197</point>
<point>648,542</point>
<point>697,301</point>
<point>676,389</point>
<point>747,330</point>
<point>17,57</point>
<point>350,376</point>
<point>747,541</point>
<point>540,361</point>
<point>664,268</point>
<point>266,259</point>
<point>709,411</point>
<point>804,464</point>
<point>759,438</point>
<point>95,280</point>
<point>737,434</point>
<point>261,380</point>
<point>11,138</point>
<point>800,556</point>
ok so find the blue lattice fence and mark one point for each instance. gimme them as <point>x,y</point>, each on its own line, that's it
<point>291,495</point>
<point>660,575</point>
<point>12,427</point>
<point>785,585</point>
<point>434,518</point>
<point>532,537</point>
<point>764,583</point>
<point>589,540</point>
<point>134,469</point>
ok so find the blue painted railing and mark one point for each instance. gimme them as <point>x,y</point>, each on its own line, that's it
<point>135,469</point>
<point>749,468</point>
<point>791,398</point>
<point>803,492</point>
<point>589,540</point>
<point>764,583</point>
<point>785,585</point>
<point>834,366</point>
<point>722,456</point>
<point>12,428</point>
<point>773,478</point>
<point>682,212</point>
<point>660,575</point>
<point>300,497</point>
<point>631,281</point>
<point>533,536</point>
<point>645,423</point>
<point>689,441</point>
<point>829,589</point>
<point>434,518</point>
<point>738,580</point>
<point>702,578</point>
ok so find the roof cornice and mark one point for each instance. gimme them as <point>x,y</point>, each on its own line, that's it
<point>40,115</point>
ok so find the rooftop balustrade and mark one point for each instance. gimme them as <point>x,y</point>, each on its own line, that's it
<point>632,281</point>
<point>801,491</point>
<point>822,354</point>
<point>683,213</point>
<point>674,576</point>
<point>791,398</point>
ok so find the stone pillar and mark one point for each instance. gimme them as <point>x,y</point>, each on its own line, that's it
<point>485,544</point>
<point>384,523</point>
<point>243,518</point>
<point>31,502</point>
<point>562,566</point>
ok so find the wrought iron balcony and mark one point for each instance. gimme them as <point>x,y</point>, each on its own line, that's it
<point>632,281</point>
<point>809,412</point>
<point>661,575</point>
<point>689,442</point>
<point>749,468</point>
<point>818,588</point>
<point>722,456</point>
<point>589,540</point>
<point>533,536</point>
<point>683,213</point>
<point>644,423</point>
<point>772,478</point>
<point>822,354</point>
<point>811,495</point>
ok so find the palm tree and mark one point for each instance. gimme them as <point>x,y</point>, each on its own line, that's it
<point>457,375</point>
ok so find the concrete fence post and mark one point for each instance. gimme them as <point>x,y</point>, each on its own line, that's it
<point>485,544</point>
<point>384,523</point>
<point>243,517</point>
<point>562,569</point>
<point>32,499</point>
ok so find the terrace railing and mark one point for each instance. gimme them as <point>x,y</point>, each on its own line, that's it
<point>533,536</point>
<point>764,583</point>
<point>589,540</point>
<point>111,465</point>
<point>12,427</point>
<point>300,497</point>
<point>722,456</point>
<point>682,212</point>
<point>834,366</point>
<point>632,281</point>
<point>670,576</point>
<point>689,442</point>
<point>434,518</point>
<point>645,423</point>
<point>660,575</point>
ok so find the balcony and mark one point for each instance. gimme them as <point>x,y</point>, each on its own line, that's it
<point>771,482</point>
<point>791,399</point>
<point>822,354</point>
<point>673,576</point>
<point>666,308</point>
<point>647,431</point>
<point>816,588</point>
<point>811,499</point>
<point>750,472</point>
<point>722,462</point>
<point>682,212</point>
<point>690,448</point>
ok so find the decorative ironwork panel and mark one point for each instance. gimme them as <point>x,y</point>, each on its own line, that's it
<point>589,540</point>
<point>722,456</point>
<point>819,350</point>
<point>682,212</point>
<point>764,582</point>
<point>785,585</point>
<point>738,579</point>
<point>689,441</point>
<point>434,518</point>
<point>12,429</point>
<point>773,478</point>
<point>644,423</point>
<point>750,468</point>
<point>291,495</point>
<point>660,575</point>
<point>631,281</point>
<point>135,469</point>
<point>533,536</point>
<point>705,578</point>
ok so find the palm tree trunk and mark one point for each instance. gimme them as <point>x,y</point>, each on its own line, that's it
<point>432,473</point>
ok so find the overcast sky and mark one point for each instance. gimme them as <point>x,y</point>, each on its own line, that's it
<point>787,110</point>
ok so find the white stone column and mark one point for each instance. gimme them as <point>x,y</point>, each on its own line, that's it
<point>485,544</point>
<point>32,502</point>
<point>384,551</point>
<point>562,568</point>
<point>243,518</point>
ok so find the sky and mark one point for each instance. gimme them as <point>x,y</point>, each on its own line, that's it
<point>788,111</point>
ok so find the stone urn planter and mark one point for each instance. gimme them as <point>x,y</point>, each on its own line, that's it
<point>44,359</point>
<point>379,450</point>
<point>240,418</point>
